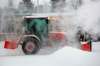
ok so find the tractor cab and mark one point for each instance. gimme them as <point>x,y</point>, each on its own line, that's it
<point>36,25</point>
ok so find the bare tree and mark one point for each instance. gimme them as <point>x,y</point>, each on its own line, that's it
<point>26,7</point>
<point>56,4</point>
<point>28,4</point>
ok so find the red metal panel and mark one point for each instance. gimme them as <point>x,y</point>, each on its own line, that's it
<point>10,44</point>
<point>86,47</point>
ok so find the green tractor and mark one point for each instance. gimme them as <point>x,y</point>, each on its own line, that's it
<point>35,30</point>
<point>39,31</point>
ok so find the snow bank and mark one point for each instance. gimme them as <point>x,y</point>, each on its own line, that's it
<point>65,56</point>
<point>69,50</point>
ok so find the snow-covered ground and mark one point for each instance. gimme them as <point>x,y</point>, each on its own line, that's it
<point>66,56</point>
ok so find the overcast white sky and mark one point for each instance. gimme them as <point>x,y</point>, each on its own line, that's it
<point>4,2</point>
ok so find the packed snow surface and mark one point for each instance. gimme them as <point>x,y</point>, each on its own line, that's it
<point>66,56</point>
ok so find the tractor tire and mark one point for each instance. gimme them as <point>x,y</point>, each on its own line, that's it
<point>31,45</point>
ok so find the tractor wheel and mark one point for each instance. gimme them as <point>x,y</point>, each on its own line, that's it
<point>30,45</point>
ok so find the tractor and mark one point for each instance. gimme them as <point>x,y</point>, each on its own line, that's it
<point>41,30</point>
<point>37,31</point>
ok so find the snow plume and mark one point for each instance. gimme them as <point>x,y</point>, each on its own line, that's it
<point>88,17</point>
<point>70,30</point>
